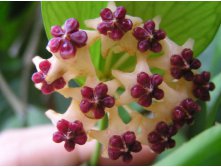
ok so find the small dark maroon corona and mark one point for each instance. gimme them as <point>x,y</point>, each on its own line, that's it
<point>184,113</point>
<point>202,86</point>
<point>66,40</point>
<point>160,138</point>
<point>39,77</point>
<point>182,65</point>
<point>114,24</point>
<point>147,88</point>
<point>122,146</point>
<point>96,100</point>
<point>148,37</point>
<point>71,133</point>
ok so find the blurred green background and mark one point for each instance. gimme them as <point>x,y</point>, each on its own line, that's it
<point>22,36</point>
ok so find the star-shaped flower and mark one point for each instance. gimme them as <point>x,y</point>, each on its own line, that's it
<point>171,97</point>
<point>72,126</point>
<point>169,49</point>
<point>130,82</point>
<point>39,78</point>
<point>119,139</point>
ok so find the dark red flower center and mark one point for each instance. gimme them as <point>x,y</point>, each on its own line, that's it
<point>95,100</point>
<point>182,65</point>
<point>71,133</point>
<point>148,37</point>
<point>39,77</point>
<point>147,88</point>
<point>115,25</point>
<point>122,146</point>
<point>67,40</point>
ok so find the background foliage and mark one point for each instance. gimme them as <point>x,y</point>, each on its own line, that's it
<point>23,37</point>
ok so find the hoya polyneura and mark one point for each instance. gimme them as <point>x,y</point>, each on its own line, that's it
<point>171,98</point>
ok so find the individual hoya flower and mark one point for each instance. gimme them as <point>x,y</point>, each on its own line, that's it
<point>148,37</point>
<point>182,65</point>
<point>119,139</point>
<point>122,146</point>
<point>160,137</point>
<point>140,85</point>
<point>72,126</point>
<point>202,86</point>
<point>66,40</point>
<point>115,28</point>
<point>114,24</point>
<point>147,88</point>
<point>39,78</point>
<point>184,113</point>
<point>163,62</point>
<point>71,133</point>
<point>95,100</point>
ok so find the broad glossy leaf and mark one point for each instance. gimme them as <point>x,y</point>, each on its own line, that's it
<point>204,149</point>
<point>215,67</point>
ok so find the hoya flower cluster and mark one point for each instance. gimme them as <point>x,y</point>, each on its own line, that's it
<point>170,98</point>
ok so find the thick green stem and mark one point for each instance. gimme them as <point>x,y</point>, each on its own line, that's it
<point>96,155</point>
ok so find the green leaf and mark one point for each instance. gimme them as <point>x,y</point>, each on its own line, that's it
<point>213,106</point>
<point>215,67</point>
<point>204,149</point>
